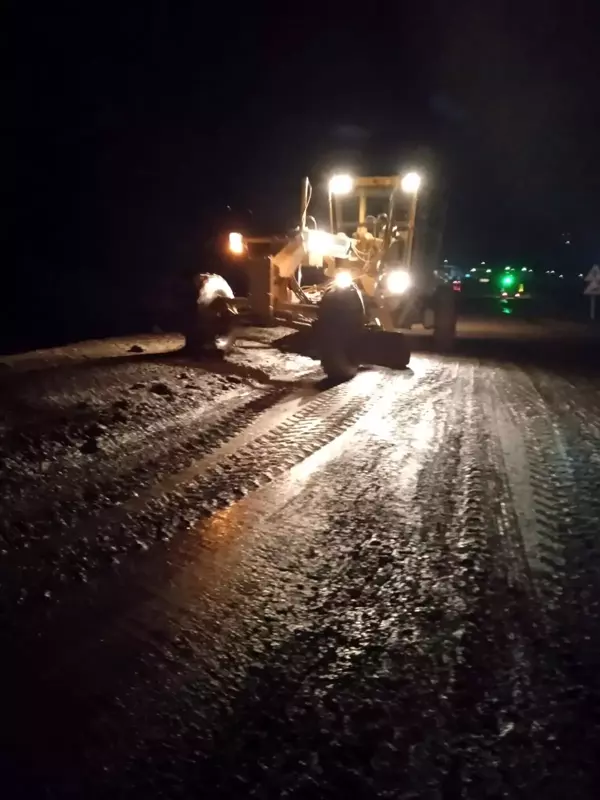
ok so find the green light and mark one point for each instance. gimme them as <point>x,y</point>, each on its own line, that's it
<point>508,280</point>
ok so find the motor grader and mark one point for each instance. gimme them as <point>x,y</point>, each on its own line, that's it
<point>365,289</point>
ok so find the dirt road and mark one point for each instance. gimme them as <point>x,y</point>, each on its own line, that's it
<point>233,581</point>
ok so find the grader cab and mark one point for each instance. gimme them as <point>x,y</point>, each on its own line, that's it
<point>364,289</point>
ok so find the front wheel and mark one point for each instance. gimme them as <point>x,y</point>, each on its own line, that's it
<point>210,328</point>
<point>338,329</point>
<point>444,321</point>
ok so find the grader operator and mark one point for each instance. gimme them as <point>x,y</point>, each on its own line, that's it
<point>368,290</point>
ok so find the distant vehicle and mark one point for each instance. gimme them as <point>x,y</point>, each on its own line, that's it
<point>497,283</point>
<point>513,284</point>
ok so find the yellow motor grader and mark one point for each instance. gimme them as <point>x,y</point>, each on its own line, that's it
<point>364,291</point>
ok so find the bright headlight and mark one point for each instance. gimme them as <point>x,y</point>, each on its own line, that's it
<point>343,279</point>
<point>236,243</point>
<point>397,281</point>
<point>318,242</point>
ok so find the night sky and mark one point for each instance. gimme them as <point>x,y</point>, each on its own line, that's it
<point>137,124</point>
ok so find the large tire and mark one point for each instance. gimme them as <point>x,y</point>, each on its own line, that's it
<point>338,329</point>
<point>444,330</point>
<point>210,323</point>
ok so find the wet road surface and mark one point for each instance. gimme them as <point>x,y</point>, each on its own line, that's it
<point>247,585</point>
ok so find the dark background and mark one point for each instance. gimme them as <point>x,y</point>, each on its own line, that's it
<point>137,125</point>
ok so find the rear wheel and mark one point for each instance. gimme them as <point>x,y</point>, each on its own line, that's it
<point>444,322</point>
<point>210,324</point>
<point>339,328</point>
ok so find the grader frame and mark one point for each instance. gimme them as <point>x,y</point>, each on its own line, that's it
<point>368,282</point>
<point>275,294</point>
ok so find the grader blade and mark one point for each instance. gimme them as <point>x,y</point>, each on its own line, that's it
<point>385,349</point>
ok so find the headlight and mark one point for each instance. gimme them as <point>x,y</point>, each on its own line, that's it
<point>318,243</point>
<point>236,243</point>
<point>343,279</point>
<point>397,281</point>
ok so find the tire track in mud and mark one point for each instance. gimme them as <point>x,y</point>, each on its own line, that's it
<point>456,663</point>
<point>539,471</point>
<point>163,439</point>
<point>139,434</point>
<point>575,586</point>
<point>243,471</point>
<point>134,525</point>
<point>457,668</point>
<point>391,636</point>
<point>462,644</point>
<point>23,534</point>
<point>563,479</point>
<point>466,631</point>
<point>381,397</point>
<point>452,618</point>
<point>497,719</point>
<point>82,621</point>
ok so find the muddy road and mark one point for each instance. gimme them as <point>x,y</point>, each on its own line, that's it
<point>234,581</point>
